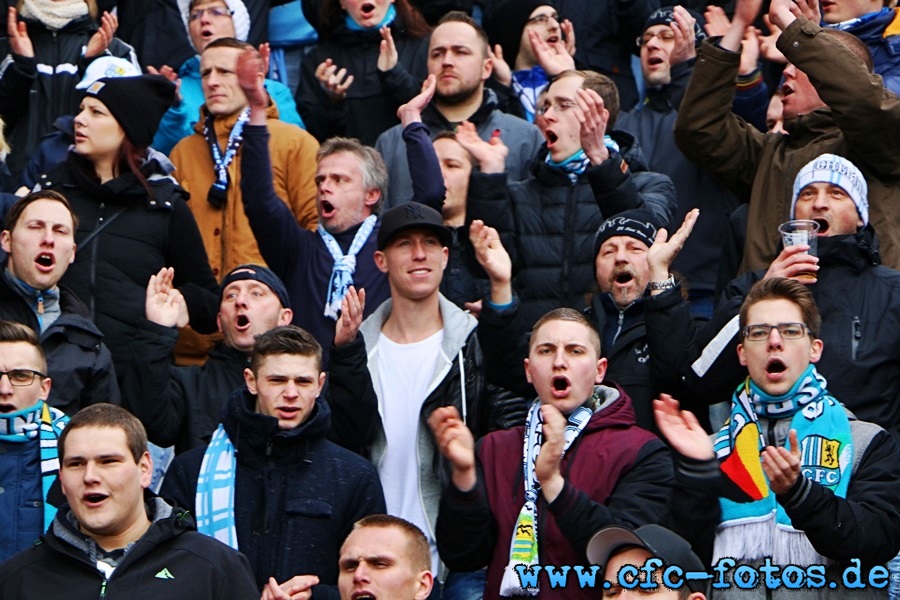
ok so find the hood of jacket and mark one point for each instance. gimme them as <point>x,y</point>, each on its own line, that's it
<point>126,189</point>
<point>166,522</point>
<point>458,325</point>
<point>615,409</point>
<point>259,436</point>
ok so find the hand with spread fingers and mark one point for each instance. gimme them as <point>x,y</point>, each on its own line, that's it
<point>553,58</point>
<point>101,40</point>
<point>491,155</point>
<point>681,429</point>
<point>333,80</point>
<point>352,307</point>
<point>665,248</point>
<point>685,40</point>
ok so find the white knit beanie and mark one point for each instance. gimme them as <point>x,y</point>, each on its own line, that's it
<point>830,168</point>
<point>240,18</point>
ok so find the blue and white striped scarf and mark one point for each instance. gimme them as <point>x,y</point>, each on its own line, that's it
<point>214,501</point>
<point>344,264</point>
<point>43,422</point>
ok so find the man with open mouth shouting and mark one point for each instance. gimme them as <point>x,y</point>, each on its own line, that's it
<point>534,494</point>
<point>792,477</point>
<point>39,237</point>
<point>854,293</point>
<point>181,406</point>
<point>269,483</point>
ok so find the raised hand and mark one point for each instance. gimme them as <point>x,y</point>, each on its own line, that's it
<point>101,40</point>
<point>17,32</point>
<point>352,307</point>
<point>502,71</point>
<point>568,31</point>
<point>782,466</point>
<point>387,51</point>
<point>681,429</point>
<point>717,22</point>
<point>494,258</point>
<point>456,443</point>
<point>767,46</point>
<point>685,39</point>
<point>491,155</point>
<point>665,248</point>
<point>170,74</point>
<point>411,112</point>
<point>164,304</point>
<point>594,117</point>
<point>553,58</point>
<point>251,79</point>
<point>334,81</point>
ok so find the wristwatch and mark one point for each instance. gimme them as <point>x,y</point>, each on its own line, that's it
<point>668,284</point>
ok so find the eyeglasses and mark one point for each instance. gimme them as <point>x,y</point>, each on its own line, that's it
<point>214,11</point>
<point>664,35</point>
<point>788,331</point>
<point>559,106</point>
<point>542,19</point>
<point>21,377</point>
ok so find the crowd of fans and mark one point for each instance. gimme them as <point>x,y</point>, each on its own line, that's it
<point>361,298</point>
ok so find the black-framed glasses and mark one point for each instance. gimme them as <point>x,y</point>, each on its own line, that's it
<point>214,11</point>
<point>21,377</point>
<point>664,35</point>
<point>542,19</point>
<point>762,331</point>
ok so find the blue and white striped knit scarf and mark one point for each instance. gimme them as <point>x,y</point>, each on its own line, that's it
<point>45,423</point>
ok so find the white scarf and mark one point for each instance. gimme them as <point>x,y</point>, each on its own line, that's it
<point>52,13</point>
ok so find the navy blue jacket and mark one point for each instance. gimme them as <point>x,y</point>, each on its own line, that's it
<point>297,495</point>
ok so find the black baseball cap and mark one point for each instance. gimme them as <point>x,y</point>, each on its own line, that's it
<point>662,543</point>
<point>411,215</point>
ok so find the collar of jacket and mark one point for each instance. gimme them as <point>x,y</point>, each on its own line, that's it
<point>813,125</point>
<point>257,438</point>
<point>225,123</point>
<point>436,121</point>
<point>858,251</point>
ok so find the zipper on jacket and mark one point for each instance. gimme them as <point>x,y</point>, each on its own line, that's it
<point>94,257</point>
<point>569,240</point>
<point>103,589</point>
<point>854,340</point>
<point>619,324</point>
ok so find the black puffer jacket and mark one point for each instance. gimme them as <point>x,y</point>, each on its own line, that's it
<point>171,560</point>
<point>296,495</point>
<point>179,406</point>
<point>859,301</point>
<point>552,223</point>
<point>371,104</point>
<point>142,234</point>
<point>78,361</point>
<point>35,91</point>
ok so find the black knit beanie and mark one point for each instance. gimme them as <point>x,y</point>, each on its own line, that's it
<point>137,103</point>
<point>636,223</point>
<point>505,23</point>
